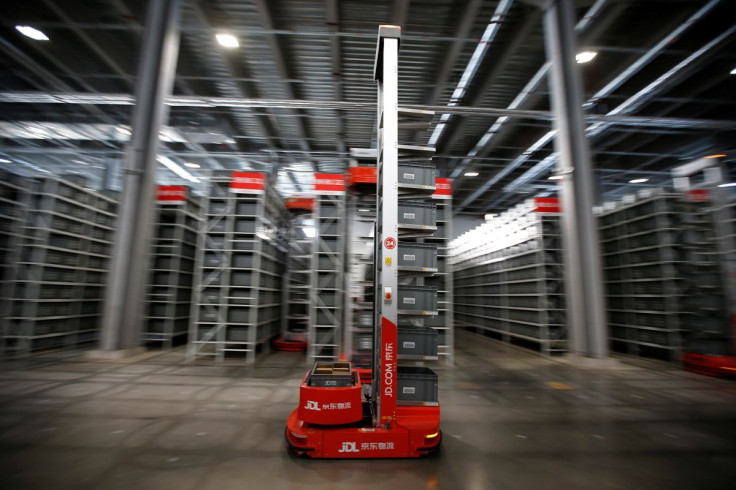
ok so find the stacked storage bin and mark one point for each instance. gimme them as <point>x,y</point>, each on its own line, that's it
<point>642,250</point>
<point>508,278</point>
<point>173,247</point>
<point>362,211</point>
<point>327,284</point>
<point>417,298</point>
<point>238,272</point>
<point>58,291</point>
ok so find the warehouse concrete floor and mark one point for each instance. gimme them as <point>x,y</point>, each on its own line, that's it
<point>510,420</point>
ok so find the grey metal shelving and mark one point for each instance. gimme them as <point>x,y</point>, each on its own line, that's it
<point>442,279</point>
<point>298,276</point>
<point>642,245</point>
<point>58,289</point>
<point>709,292</point>
<point>663,264</point>
<point>327,282</point>
<point>703,310</point>
<point>359,319</point>
<point>236,307</point>
<point>178,216</point>
<point>508,279</point>
<point>14,203</point>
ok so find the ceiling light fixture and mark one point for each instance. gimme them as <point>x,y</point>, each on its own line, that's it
<point>227,40</point>
<point>731,184</point>
<point>192,165</point>
<point>638,181</point>
<point>719,155</point>
<point>3,160</point>
<point>471,174</point>
<point>733,72</point>
<point>585,56</point>
<point>32,33</point>
<point>555,177</point>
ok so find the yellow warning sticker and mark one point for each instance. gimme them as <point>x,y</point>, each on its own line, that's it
<point>388,261</point>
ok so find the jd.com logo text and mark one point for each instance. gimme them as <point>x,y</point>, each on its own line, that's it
<point>349,447</point>
<point>312,406</point>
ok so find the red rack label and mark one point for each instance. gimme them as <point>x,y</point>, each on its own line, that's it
<point>362,175</point>
<point>329,183</point>
<point>698,195</point>
<point>443,189</point>
<point>248,182</point>
<point>172,193</point>
<point>546,205</point>
<point>303,203</point>
<point>389,243</point>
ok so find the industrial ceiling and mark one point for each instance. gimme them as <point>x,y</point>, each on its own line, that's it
<point>297,92</point>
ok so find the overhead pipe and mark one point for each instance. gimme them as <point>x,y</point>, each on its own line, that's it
<point>632,70</point>
<point>623,77</point>
<point>237,102</point>
<point>472,67</point>
<point>520,37</point>
<point>529,89</point>
<point>630,105</point>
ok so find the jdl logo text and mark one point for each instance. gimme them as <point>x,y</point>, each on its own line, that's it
<point>312,405</point>
<point>348,447</point>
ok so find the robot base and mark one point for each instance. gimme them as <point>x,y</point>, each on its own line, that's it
<point>711,365</point>
<point>290,345</point>
<point>415,433</point>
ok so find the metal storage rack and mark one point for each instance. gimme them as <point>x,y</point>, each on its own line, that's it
<point>417,262</point>
<point>300,240</point>
<point>415,180</point>
<point>442,279</point>
<point>642,239</point>
<point>709,296</point>
<point>58,290</point>
<point>327,282</point>
<point>236,306</point>
<point>508,280</point>
<point>359,326</point>
<point>703,311</point>
<point>14,202</point>
<point>404,218</point>
<point>177,221</point>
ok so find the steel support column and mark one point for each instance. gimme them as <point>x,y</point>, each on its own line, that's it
<point>125,294</point>
<point>109,165</point>
<point>584,281</point>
